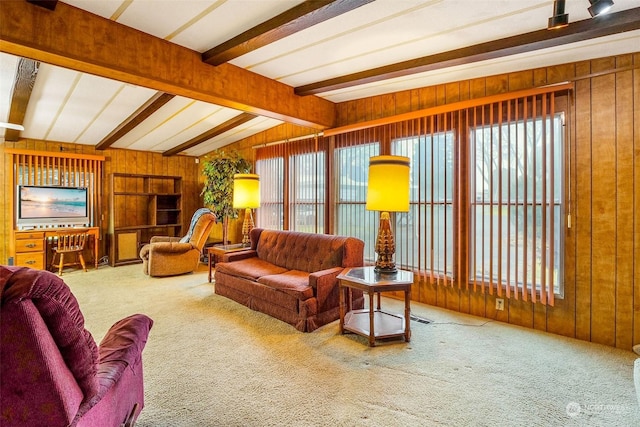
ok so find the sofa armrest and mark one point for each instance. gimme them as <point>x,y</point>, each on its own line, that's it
<point>170,248</point>
<point>237,256</point>
<point>324,283</point>
<point>158,239</point>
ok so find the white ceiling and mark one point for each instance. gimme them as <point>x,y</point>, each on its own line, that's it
<point>74,107</point>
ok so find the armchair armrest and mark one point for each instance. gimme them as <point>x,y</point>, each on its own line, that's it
<point>120,348</point>
<point>324,283</point>
<point>158,239</point>
<point>170,248</point>
<point>125,341</point>
<point>237,256</point>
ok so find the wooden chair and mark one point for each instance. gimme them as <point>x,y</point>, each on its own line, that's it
<point>69,242</point>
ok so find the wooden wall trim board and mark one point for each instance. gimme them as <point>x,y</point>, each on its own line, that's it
<point>624,205</point>
<point>636,204</point>
<point>581,230</point>
<point>67,155</point>
<point>603,191</point>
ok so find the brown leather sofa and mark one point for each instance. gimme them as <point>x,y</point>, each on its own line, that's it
<point>291,276</point>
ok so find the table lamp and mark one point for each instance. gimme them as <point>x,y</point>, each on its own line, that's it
<point>246,195</point>
<point>388,191</point>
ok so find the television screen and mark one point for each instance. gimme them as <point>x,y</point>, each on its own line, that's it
<point>48,205</point>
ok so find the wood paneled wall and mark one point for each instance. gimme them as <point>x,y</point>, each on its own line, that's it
<point>116,160</point>
<point>601,300</point>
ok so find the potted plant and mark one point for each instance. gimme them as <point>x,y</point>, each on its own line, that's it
<point>218,171</point>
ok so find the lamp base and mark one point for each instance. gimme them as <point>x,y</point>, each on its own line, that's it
<point>385,246</point>
<point>247,226</point>
<point>383,270</point>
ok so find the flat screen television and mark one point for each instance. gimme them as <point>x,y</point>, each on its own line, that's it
<point>40,205</point>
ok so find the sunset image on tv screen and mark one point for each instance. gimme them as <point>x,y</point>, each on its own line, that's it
<point>41,202</point>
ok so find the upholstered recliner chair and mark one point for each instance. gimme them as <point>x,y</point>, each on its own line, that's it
<point>51,371</point>
<point>170,256</point>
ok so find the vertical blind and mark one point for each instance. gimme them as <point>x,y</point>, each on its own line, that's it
<point>425,236</point>
<point>516,211</point>
<point>486,191</point>
<point>293,185</point>
<point>307,185</point>
<point>270,167</point>
<point>350,177</point>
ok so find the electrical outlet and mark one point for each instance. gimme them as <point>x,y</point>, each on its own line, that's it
<point>499,304</point>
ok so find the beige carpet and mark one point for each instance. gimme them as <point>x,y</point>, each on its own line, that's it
<point>212,362</point>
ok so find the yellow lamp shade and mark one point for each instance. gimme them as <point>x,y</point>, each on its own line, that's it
<point>388,189</point>
<point>246,191</point>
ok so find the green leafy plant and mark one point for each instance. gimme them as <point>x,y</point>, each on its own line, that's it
<point>218,171</point>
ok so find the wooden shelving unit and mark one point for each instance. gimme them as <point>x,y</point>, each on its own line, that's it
<point>142,206</point>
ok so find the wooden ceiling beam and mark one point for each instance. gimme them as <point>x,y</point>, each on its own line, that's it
<point>614,23</point>
<point>140,115</point>
<point>76,39</point>
<point>218,130</point>
<point>298,18</point>
<point>25,78</point>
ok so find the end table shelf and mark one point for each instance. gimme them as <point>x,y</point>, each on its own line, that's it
<point>373,322</point>
<point>387,325</point>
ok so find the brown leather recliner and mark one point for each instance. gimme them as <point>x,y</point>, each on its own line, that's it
<point>170,256</point>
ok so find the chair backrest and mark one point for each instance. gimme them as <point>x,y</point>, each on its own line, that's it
<point>201,224</point>
<point>71,241</point>
<point>48,360</point>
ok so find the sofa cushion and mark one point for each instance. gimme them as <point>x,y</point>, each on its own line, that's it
<point>250,268</point>
<point>293,282</point>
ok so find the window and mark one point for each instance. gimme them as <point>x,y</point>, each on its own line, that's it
<point>271,211</point>
<point>351,176</point>
<point>424,235</point>
<point>516,206</point>
<point>486,192</point>
<point>307,192</point>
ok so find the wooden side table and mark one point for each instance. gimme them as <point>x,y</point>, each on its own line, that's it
<point>374,322</point>
<point>219,250</point>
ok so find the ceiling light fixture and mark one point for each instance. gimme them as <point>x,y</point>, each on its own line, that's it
<point>598,7</point>
<point>11,126</point>
<point>559,18</point>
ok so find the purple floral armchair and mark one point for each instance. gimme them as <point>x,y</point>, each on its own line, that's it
<point>52,373</point>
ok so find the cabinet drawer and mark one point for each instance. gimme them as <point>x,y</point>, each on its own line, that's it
<point>31,260</point>
<point>29,245</point>
<point>22,235</point>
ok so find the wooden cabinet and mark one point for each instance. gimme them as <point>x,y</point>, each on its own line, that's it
<point>29,249</point>
<point>142,206</point>
<point>32,248</point>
